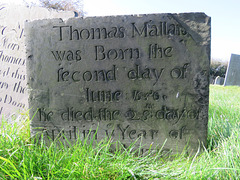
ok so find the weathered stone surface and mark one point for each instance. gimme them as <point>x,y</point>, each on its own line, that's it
<point>219,80</point>
<point>127,77</point>
<point>13,94</point>
<point>233,74</point>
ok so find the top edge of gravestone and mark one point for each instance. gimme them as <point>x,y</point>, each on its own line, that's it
<point>199,17</point>
<point>147,14</point>
<point>233,54</point>
<point>186,15</point>
<point>197,24</point>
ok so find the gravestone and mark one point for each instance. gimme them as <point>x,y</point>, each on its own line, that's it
<point>133,78</point>
<point>219,80</point>
<point>13,92</point>
<point>233,74</point>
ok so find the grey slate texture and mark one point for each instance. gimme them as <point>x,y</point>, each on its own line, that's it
<point>130,77</point>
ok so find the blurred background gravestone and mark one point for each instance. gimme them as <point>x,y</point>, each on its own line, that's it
<point>13,79</point>
<point>233,71</point>
<point>219,80</point>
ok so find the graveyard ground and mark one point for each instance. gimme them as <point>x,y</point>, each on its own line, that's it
<point>21,158</point>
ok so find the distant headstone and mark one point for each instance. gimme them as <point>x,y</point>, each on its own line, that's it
<point>124,77</point>
<point>233,71</point>
<point>219,80</point>
<point>211,80</point>
<point>13,92</point>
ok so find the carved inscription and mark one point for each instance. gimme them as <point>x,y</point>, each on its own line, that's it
<point>96,75</point>
<point>156,51</point>
<point>7,99</point>
<point>149,28</point>
<point>67,55</point>
<point>112,54</point>
<point>103,96</point>
<point>126,132</point>
<point>12,72</point>
<point>72,33</point>
<point>139,73</point>
<point>12,59</point>
<point>13,78</point>
<point>127,78</point>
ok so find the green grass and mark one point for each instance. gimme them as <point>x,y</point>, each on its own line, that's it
<point>21,158</point>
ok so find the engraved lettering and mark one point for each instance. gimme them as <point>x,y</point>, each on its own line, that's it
<point>131,114</point>
<point>109,135</point>
<point>155,30</point>
<point>9,100</point>
<point>130,84</point>
<point>103,96</point>
<point>105,114</point>
<point>90,133</point>
<point>18,75</point>
<point>98,75</point>
<point>143,134</point>
<point>131,133</point>
<point>43,115</point>
<point>9,45</point>
<point>122,129</point>
<point>146,115</point>
<point>19,88</point>
<point>147,73</point>
<point>139,95</point>
<point>87,76</point>
<point>178,133</point>
<point>3,85</point>
<point>134,134</point>
<point>174,116</point>
<point>12,59</point>
<point>5,73</point>
<point>67,55</point>
<point>112,54</point>
<point>156,51</point>
<point>153,133</point>
<point>110,126</point>
<point>101,114</point>
<point>179,73</point>
<point>60,31</point>
<point>84,34</point>
<point>144,30</point>
<point>72,33</point>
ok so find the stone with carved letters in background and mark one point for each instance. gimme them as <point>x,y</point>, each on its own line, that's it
<point>13,80</point>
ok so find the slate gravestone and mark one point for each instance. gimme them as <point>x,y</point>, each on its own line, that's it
<point>13,93</point>
<point>233,74</point>
<point>219,80</point>
<point>126,77</point>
